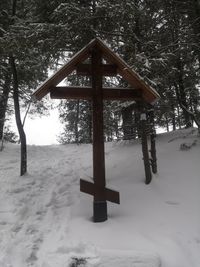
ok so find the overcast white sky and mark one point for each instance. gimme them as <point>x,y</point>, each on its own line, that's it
<point>42,130</point>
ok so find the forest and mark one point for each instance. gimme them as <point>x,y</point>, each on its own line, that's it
<point>159,39</point>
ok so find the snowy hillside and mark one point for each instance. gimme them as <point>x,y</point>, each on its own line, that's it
<point>46,222</point>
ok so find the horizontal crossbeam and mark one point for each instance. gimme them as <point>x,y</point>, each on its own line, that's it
<point>86,69</point>
<point>91,189</point>
<point>64,92</point>
<point>86,93</point>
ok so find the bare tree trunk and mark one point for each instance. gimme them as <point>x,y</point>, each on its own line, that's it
<point>194,17</point>
<point>22,135</point>
<point>181,92</point>
<point>116,126</point>
<point>167,123</point>
<point>14,7</point>
<point>145,150</point>
<point>90,122</point>
<point>3,102</point>
<point>76,122</point>
<point>173,117</point>
<point>137,123</point>
<point>179,118</point>
<point>137,29</point>
<point>127,125</point>
<point>153,143</point>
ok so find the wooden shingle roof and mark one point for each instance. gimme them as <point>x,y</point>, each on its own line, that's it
<point>135,81</point>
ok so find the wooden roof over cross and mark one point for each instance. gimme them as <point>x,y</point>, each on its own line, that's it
<point>148,94</point>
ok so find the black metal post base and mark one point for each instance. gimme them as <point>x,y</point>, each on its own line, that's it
<point>100,211</point>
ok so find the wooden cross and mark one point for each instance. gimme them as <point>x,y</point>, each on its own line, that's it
<point>98,51</point>
<point>97,94</point>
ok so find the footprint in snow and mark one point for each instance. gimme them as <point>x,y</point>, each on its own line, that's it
<point>17,228</point>
<point>197,240</point>
<point>31,230</point>
<point>8,168</point>
<point>3,223</point>
<point>32,258</point>
<point>18,190</point>
<point>13,161</point>
<point>64,189</point>
<point>171,202</point>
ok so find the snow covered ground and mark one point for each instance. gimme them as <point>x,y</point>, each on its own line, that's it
<point>46,222</point>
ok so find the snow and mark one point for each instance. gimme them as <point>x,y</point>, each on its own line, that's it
<point>46,222</point>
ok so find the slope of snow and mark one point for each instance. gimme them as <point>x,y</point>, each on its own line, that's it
<point>46,222</point>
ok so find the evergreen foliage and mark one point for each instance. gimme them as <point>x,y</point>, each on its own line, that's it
<point>159,39</point>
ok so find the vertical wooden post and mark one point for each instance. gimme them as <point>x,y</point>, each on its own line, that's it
<point>145,150</point>
<point>100,204</point>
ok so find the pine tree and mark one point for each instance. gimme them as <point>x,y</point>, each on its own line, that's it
<point>24,61</point>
